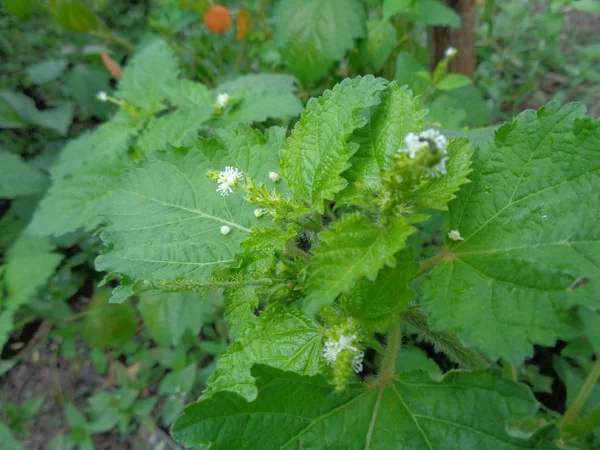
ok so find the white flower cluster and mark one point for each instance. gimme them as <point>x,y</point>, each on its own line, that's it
<point>228,179</point>
<point>336,343</point>
<point>222,100</point>
<point>415,143</point>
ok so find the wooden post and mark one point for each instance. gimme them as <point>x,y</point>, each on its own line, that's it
<point>463,39</point>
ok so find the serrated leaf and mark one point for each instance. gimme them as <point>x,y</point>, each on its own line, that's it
<point>189,94</point>
<point>176,129</point>
<point>281,337</point>
<point>375,304</point>
<point>528,224</point>
<point>18,178</point>
<point>438,192</point>
<point>379,44</point>
<point>313,34</point>
<point>242,301</point>
<point>263,96</point>
<point>83,181</point>
<point>165,219</point>
<point>147,77</point>
<point>463,411</point>
<point>317,151</point>
<point>258,250</point>
<point>353,248</point>
<point>389,122</point>
<point>169,315</point>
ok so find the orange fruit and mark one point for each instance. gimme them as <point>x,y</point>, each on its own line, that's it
<point>218,19</point>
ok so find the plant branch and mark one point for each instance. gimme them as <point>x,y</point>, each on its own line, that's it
<point>583,394</point>
<point>444,341</point>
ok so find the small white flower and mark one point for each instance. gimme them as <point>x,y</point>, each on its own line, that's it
<point>102,96</point>
<point>455,235</point>
<point>337,343</point>
<point>225,230</point>
<point>228,179</point>
<point>222,100</point>
<point>274,176</point>
<point>450,51</point>
<point>259,212</point>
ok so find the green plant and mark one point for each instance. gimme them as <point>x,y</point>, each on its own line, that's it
<point>314,232</point>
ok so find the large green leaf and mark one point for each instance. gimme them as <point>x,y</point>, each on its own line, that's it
<point>18,178</point>
<point>281,337</point>
<point>146,79</point>
<point>353,248</point>
<point>531,248</point>
<point>433,13</point>
<point>389,122</point>
<point>262,96</point>
<point>317,152</point>
<point>84,177</point>
<point>463,411</point>
<point>165,218</point>
<point>313,34</point>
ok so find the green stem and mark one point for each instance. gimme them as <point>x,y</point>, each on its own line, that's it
<point>585,391</point>
<point>394,344</point>
<point>429,264</point>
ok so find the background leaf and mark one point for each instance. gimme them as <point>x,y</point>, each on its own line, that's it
<point>18,178</point>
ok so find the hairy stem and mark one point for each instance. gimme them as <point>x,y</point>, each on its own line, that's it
<point>444,341</point>
<point>583,394</point>
<point>394,344</point>
<point>429,264</point>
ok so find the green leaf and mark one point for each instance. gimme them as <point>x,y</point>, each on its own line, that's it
<point>18,178</point>
<point>84,178</point>
<point>242,301</point>
<point>16,110</point>
<point>463,411</point>
<point>389,122</point>
<point>528,224</point>
<point>463,107</point>
<point>30,263</point>
<point>146,79</point>
<point>165,217</point>
<point>47,70</point>
<point>393,7</point>
<point>379,44</point>
<point>452,81</point>
<point>410,72</point>
<point>353,248</point>
<point>317,151</point>
<point>438,192</point>
<point>376,304</point>
<point>20,8</point>
<point>189,94</point>
<point>9,442</point>
<point>263,96</point>
<point>433,13</point>
<point>84,81</point>
<point>56,119</point>
<point>108,324</point>
<point>280,337</point>
<point>176,129</point>
<point>169,315</point>
<point>413,358</point>
<point>76,16</point>
<point>313,34</point>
